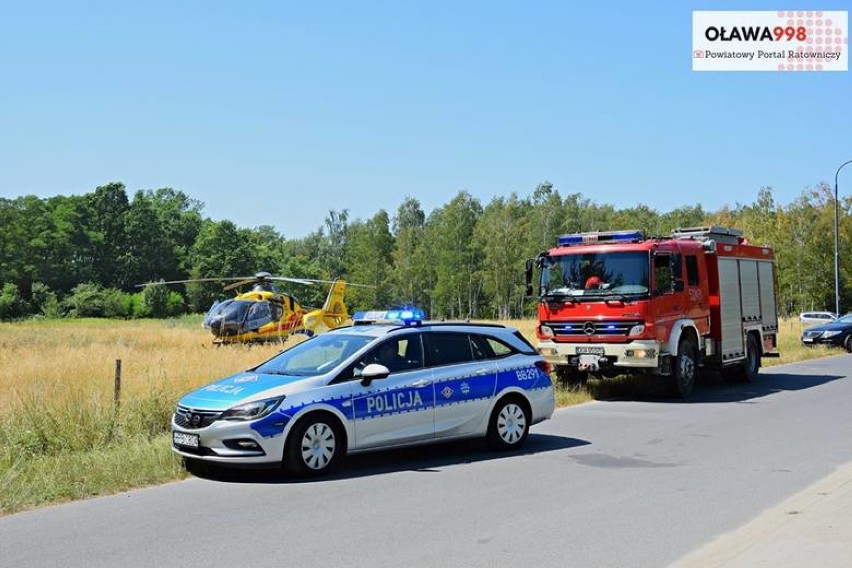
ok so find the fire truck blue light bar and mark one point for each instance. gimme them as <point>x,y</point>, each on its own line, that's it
<point>592,238</point>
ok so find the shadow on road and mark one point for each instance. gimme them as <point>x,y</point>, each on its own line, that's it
<point>712,388</point>
<point>423,459</point>
<point>718,389</point>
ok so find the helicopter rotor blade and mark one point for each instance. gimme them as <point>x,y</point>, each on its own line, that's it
<point>306,281</point>
<point>240,283</point>
<point>191,280</point>
<point>315,281</point>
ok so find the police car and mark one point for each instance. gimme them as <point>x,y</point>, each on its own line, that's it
<point>397,381</point>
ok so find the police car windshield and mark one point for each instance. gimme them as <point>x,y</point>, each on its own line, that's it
<point>575,276</point>
<point>315,356</point>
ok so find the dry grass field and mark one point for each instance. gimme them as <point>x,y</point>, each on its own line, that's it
<point>61,436</point>
<point>55,361</point>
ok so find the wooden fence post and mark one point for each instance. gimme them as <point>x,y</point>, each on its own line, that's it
<point>117,392</point>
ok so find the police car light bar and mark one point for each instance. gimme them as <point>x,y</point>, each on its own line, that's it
<point>404,316</point>
<point>600,237</point>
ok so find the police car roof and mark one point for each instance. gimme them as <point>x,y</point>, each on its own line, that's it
<point>383,328</point>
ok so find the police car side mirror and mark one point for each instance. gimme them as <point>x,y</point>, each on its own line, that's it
<point>372,372</point>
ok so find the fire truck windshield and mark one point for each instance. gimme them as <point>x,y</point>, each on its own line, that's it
<point>579,275</point>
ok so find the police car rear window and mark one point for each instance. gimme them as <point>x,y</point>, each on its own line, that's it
<point>528,348</point>
<point>499,348</point>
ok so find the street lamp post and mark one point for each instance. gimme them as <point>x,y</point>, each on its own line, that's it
<point>837,242</point>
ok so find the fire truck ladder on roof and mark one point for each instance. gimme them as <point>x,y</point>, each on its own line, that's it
<point>714,233</point>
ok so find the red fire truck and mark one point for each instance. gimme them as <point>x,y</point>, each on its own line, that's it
<point>617,302</point>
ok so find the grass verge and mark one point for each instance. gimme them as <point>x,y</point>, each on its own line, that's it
<point>27,482</point>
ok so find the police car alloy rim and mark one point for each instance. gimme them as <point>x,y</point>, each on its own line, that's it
<point>318,446</point>
<point>511,423</point>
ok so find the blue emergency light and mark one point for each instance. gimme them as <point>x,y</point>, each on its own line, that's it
<point>404,316</point>
<point>595,238</point>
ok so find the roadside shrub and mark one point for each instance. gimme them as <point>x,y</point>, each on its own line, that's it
<point>45,302</point>
<point>89,300</point>
<point>155,299</point>
<point>12,306</point>
<point>137,306</point>
<point>117,304</point>
<point>175,304</point>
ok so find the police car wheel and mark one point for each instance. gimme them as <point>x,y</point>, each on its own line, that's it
<point>509,425</point>
<point>314,447</point>
<point>848,343</point>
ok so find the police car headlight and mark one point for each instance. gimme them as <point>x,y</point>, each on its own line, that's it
<point>252,410</point>
<point>831,333</point>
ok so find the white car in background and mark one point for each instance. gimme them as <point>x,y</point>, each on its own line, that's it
<point>817,317</point>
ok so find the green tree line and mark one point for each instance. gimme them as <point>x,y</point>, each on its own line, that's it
<point>83,255</point>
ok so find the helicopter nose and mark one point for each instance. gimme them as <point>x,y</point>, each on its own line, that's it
<point>222,327</point>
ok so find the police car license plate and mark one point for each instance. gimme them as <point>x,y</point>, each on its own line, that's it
<point>186,440</point>
<point>807,340</point>
<point>590,351</point>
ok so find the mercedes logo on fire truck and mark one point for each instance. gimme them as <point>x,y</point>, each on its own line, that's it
<point>589,328</point>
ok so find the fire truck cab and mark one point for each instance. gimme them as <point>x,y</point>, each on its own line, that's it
<point>617,302</point>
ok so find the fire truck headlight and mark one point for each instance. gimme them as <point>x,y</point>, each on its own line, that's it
<point>545,332</point>
<point>640,353</point>
<point>636,330</point>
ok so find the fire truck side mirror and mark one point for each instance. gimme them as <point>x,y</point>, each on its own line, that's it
<point>678,286</point>
<point>528,277</point>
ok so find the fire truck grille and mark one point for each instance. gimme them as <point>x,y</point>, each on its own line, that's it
<point>589,328</point>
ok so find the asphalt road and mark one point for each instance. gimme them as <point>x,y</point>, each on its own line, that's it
<point>615,483</point>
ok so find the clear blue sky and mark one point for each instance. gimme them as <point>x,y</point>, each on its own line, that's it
<point>274,112</point>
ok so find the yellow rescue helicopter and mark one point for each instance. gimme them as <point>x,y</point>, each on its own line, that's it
<point>267,314</point>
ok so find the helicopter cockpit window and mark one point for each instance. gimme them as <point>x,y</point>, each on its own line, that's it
<point>233,310</point>
<point>258,315</point>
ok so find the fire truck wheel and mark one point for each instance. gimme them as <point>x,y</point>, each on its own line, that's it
<point>684,369</point>
<point>751,365</point>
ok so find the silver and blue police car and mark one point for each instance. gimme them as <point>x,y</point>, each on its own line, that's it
<point>396,382</point>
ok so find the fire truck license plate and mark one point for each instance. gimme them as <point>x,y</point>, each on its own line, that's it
<point>590,351</point>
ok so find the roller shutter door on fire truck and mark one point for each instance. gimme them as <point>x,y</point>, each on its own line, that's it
<point>730,309</point>
<point>767,296</point>
<point>750,291</point>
